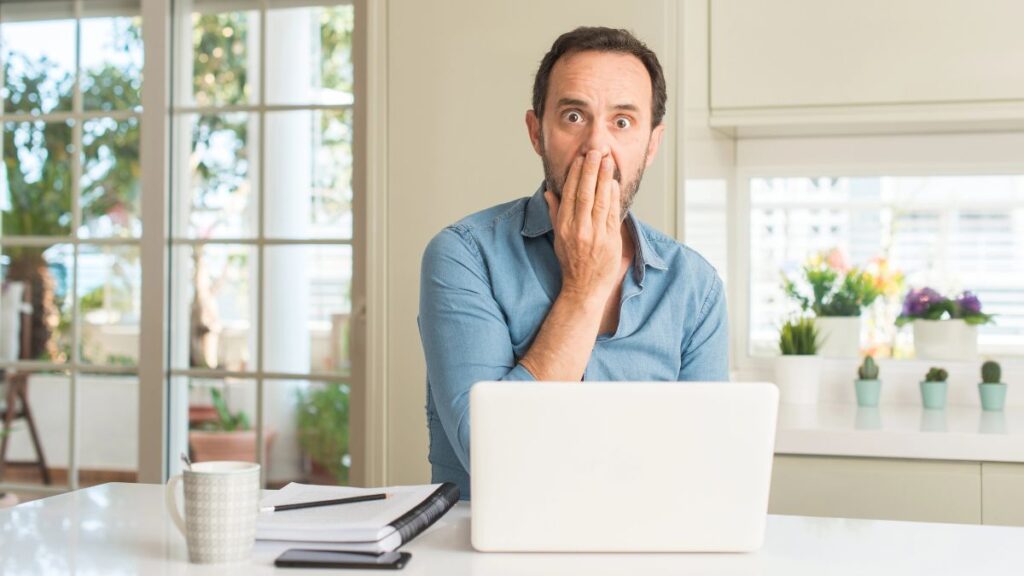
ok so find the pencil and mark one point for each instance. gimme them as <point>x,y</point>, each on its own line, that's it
<point>317,503</point>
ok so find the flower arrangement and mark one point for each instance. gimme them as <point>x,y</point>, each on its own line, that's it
<point>928,304</point>
<point>836,288</point>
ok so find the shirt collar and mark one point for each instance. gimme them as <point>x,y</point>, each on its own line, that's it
<point>538,223</point>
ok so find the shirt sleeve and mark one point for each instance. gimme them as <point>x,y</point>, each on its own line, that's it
<point>464,333</point>
<point>705,354</point>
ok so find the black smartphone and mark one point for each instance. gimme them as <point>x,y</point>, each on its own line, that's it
<point>299,558</point>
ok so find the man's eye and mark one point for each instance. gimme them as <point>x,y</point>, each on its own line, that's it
<point>573,117</point>
<point>623,123</point>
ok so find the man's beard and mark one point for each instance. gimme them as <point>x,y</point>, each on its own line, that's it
<point>628,192</point>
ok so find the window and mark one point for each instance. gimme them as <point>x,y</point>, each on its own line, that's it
<point>262,235</point>
<point>952,233</point>
<point>70,120</point>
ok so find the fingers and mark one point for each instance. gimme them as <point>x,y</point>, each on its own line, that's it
<point>552,207</point>
<point>602,194</point>
<point>585,190</point>
<point>572,181</point>
<point>615,210</point>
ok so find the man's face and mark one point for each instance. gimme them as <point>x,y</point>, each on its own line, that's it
<point>597,101</point>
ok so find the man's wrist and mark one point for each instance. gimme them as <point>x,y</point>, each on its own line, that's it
<point>584,300</point>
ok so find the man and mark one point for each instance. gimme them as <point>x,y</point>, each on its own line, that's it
<point>568,285</point>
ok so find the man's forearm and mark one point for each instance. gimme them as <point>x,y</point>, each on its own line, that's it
<point>565,341</point>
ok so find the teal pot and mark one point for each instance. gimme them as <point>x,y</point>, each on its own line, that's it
<point>933,395</point>
<point>868,392</point>
<point>993,396</point>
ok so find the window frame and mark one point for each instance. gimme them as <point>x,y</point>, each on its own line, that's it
<point>368,400</point>
<point>75,367</point>
<point>740,206</point>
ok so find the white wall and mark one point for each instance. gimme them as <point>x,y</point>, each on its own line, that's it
<point>460,76</point>
<point>107,422</point>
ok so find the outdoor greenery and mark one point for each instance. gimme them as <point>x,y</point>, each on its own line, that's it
<point>227,421</point>
<point>323,419</point>
<point>37,161</point>
<point>38,168</point>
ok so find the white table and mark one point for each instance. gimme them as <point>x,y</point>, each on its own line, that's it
<point>117,529</point>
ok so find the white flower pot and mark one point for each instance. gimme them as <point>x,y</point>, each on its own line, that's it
<point>840,336</point>
<point>945,340</point>
<point>798,379</point>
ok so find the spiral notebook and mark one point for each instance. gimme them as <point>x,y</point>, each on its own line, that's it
<point>376,526</point>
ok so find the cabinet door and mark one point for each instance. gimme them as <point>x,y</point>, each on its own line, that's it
<point>805,53</point>
<point>918,490</point>
<point>1002,494</point>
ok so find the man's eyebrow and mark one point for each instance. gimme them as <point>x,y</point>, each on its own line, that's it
<point>576,102</point>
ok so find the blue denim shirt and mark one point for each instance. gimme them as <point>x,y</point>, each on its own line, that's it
<point>487,284</point>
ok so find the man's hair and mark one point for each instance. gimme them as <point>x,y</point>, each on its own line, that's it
<point>600,39</point>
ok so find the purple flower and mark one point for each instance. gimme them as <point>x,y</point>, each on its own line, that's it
<point>918,301</point>
<point>968,303</point>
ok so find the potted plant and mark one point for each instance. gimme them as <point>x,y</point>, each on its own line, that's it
<point>228,437</point>
<point>322,422</point>
<point>867,385</point>
<point>798,369</point>
<point>933,389</point>
<point>944,328</point>
<point>991,388</point>
<point>836,294</point>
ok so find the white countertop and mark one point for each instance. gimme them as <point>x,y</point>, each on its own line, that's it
<point>901,431</point>
<point>122,529</point>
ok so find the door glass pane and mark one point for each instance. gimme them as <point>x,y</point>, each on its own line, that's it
<point>309,55</point>
<point>109,304</point>
<point>111,179</point>
<point>219,199</point>
<point>213,309</point>
<point>310,421</point>
<point>35,192</point>
<point>37,306</point>
<point>225,50</point>
<point>48,399</point>
<point>222,418</point>
<point>112,63</point>
<point>108,410</point>
<point>307,308</point>
<point>39,58</point>
<point>309,180</point>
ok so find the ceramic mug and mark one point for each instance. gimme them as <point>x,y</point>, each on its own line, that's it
<point>221,505</point>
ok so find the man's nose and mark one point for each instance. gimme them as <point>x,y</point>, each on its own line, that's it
<point>598,138</point>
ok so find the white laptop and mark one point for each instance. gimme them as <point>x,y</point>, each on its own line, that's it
<point>621,466</point>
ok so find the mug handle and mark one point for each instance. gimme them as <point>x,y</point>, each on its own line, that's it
<point>172,503</point>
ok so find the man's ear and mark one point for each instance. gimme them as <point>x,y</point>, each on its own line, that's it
<point>533,127</point>
<point>654,143</point>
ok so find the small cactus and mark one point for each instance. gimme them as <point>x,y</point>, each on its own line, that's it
<point>991,373</point>
<point>936,375</point>
<point>868,370</point>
